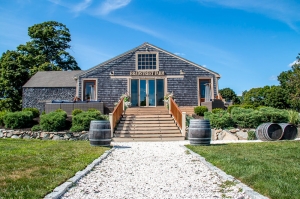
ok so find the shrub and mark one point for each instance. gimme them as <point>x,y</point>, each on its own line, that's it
<point>76,111</point>
<point>53,121</point>
<point>76,128</point>
<point>215,110</point>
<point>247,106</point>
<point>200,110</point>
<point>84,119</point>
<point>18,119</point>
<point>246,118</point>
<point>270,114</point>
<point>251,135</point>
<point>35,111</point>
<point>229,109</point>
<point>293,117</point>
<point>36,128</point>
<point>188,118</point>
<point>93,110</point>
<point>2,114</point>
<point>221,119</point>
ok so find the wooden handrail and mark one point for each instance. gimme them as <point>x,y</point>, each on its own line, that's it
<point>176,112</point>
<point>117,113</point>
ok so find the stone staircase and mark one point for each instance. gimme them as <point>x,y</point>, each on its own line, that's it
<point>147,124</point>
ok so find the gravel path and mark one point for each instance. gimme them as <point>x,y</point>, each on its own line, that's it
<point>152,170</point>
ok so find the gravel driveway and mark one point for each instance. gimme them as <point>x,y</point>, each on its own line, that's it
<point>152,170</point>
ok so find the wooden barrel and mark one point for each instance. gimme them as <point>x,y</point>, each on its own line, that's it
<point>199,132</point>
<point>269,132</point>
<point>99,133</point>
<point>290,131</point>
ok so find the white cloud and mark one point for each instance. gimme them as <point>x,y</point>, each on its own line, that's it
<point>285,11</point>
<point>82,6</point>
<point>293,63</point>
<point>204,66</point>
<point>273,78</point>
<point>110,5</point>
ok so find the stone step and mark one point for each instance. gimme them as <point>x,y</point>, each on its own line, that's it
<point>118,139</point>
<point>148,135</point>
<point>148,131</point>
<point>150,128</point>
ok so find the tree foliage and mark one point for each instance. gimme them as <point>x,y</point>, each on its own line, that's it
<point>46,51</point>
<point>228,94</point>
<point>290,81</point>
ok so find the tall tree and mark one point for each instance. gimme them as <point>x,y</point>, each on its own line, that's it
<point>46,51</point>
<point>47,48</point>
<point>290,81</point>
<point>13,75</point>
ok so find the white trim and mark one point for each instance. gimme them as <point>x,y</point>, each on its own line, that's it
<point>145,53</point>
<point>211,87</point>
<point>147,77</point>
<point>96,87</point>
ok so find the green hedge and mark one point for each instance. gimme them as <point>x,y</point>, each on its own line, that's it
<point>220,119</point>
<point>35,111</point>
<point>18,119</point>
<point>2,114</point>
<point>53,121</point>
<point>82,120</point>
<point>76,112</point>
<point>200,110</point>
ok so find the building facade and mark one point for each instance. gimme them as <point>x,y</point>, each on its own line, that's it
<point>147,73</point>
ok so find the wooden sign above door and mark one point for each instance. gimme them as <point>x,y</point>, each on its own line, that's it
<point>146,73</point>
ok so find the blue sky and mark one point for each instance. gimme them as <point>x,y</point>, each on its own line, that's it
<point>249,43</point>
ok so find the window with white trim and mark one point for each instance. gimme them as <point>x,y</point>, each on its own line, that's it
<point>147,61</point>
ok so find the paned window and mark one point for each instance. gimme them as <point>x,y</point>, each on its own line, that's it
<point>147,61</point>
<point>89,90</point>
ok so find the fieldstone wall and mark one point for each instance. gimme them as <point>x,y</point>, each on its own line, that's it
<point>37,97</point>
<point>17,134</point>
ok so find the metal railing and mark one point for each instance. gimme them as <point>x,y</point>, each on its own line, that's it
<point>115,116</point>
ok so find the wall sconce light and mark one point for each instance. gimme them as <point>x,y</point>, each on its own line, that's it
<point>112,73</point>
<point>182,72</point>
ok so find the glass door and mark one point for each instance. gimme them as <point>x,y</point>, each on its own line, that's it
<point>151,92</point>
<point>143,92</point>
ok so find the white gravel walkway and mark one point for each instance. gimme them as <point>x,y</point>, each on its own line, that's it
<point>152,170</point>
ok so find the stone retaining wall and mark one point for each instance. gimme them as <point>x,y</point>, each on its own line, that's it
<point>17,134</point>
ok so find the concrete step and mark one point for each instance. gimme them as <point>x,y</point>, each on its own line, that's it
<point>148,131</point>
<point>118,139</point>
<point>145,128</point>
<point>146,116</point>
<point>148,135</point>
<point>146,119</point>
<point>147,122</point>
<point>130,124</point>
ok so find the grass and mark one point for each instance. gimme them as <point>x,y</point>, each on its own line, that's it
<point>33,168</point>
<point>270,168</point>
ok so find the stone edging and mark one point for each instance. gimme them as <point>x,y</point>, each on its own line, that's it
<point>63,188</point>
<point>247,190</point>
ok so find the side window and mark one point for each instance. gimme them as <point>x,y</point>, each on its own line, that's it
<point>89,90</point>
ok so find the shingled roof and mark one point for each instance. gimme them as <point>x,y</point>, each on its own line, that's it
<point>52,79</point>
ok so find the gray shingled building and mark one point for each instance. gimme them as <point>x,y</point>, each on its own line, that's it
<point>146,73</point>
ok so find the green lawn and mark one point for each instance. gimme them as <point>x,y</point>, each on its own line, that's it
<point>33,168</point>
<point>270,168</point>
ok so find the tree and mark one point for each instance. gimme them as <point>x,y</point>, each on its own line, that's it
<point>13,75</point>
<point>47,48</point>
<point>46,51</point>
<point>275,97</point>
<point>228,94</point>
<point>255,96</point>
<point>290,81</point>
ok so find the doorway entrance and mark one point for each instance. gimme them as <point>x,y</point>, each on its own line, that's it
<point>147,92</point>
